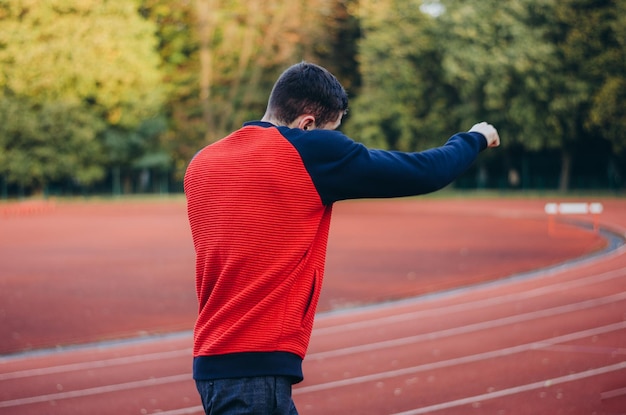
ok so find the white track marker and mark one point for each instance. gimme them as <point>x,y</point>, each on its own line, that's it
<point>518,389</point>
<point>97,390</point>
<point>183,411</point>
<point>116,361</point>
<point>468,306</point>
<point>573,208</point>
<point>470,328</point>
<point>537,345</point>
<point>612,394</point>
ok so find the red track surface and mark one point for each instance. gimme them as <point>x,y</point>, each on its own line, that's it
<point>435,338</point>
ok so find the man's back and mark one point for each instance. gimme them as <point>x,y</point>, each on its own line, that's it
<point>260,230</point>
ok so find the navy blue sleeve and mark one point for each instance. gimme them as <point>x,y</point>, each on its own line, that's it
<point>344,169</point>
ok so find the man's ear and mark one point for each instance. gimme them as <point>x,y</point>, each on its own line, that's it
<point>306,122</point>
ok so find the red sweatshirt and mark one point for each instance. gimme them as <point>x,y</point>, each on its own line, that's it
<point>259,203</point>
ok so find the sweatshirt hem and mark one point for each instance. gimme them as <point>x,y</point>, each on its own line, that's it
<point>248,364</point>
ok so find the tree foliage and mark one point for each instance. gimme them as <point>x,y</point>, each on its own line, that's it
<point>550,74</point>
<point>45,142</point>
<point>496,60</point>
<point>590,42</point>
<point>90,87</point>
<point>73,69</point>
<point>402,104</point>
<point>543,70</point>
<point>269,36</point>
<point>176,31</point>
<point>220,59</point>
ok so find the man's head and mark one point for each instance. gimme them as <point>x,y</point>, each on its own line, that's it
<point>307,96</point>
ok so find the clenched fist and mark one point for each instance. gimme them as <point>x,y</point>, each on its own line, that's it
<point>489,131</point>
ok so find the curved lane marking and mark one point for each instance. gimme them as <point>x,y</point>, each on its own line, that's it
<point>518,389</point>
<point>536,345</point>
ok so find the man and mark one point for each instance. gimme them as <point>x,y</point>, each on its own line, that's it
<point>259,204</point>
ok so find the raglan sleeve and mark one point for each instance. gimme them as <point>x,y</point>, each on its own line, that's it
<point>344,169</point>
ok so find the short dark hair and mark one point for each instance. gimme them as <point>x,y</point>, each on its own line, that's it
<point>306,88</point>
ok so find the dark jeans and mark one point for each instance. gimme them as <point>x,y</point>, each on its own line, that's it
<point>247,396</point>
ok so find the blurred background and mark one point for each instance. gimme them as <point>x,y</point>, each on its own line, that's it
<point>114,97</point>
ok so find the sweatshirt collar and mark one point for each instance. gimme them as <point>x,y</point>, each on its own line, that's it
<point>258,124</point>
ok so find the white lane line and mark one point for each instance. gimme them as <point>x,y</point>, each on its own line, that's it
<point>518,389</point>
<point>608,351</point>
<point>117,361</point>
<point>330,385</point>
<point>183,411</point>
<point>323,355</point>
<point>612,394</point>
<point>411,316</point>
<point>470,328</point>
<point>397,318</point>
<point>461,360</point>
<point>96,391</point>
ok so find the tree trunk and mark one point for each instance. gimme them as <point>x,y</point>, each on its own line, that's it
<point>566,166</point>
<point>206,11</point>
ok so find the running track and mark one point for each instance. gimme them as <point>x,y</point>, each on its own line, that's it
<point>552,341</point>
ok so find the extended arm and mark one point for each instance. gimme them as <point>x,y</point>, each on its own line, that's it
<point>344,169</point>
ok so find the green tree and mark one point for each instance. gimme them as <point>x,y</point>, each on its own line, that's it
<point>269,34</point>
<point>220,58</point>
<point>178,47</point>
<point>608,110</point>
<point>40,143</point>
<point>587,86</point>
<point>335,42</point>
<point>403,102</point>
<point>93,61</point>
<point>542,70</point>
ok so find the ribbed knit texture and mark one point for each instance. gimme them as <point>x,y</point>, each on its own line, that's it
<point>258,277</point>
